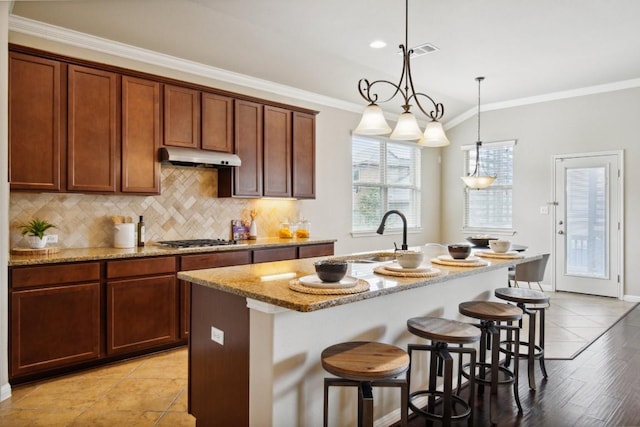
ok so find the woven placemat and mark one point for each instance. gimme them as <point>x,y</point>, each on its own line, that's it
<point>361,286</point>
<point>478,263</point>
<point>488,254</point>
<point>383,270</point>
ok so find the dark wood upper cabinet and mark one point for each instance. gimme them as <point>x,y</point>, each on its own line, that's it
<point>248,146</point>
<point>36,92</point>
<point>92,130</point>
<point>217,123</point>
<point>140,136</point>
<point>304,155</point>
<point>181,117</point>
<point>277,152</point>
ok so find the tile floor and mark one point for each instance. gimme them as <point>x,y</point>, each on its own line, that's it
<point>152,390</point>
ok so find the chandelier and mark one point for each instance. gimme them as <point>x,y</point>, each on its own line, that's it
<point>407,129</point>
<point>474,179</point>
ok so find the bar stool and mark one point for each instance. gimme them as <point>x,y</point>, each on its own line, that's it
<point>529,301</point>
<point>491,314</point>
<point>365,364</point>
<point>442,332</point>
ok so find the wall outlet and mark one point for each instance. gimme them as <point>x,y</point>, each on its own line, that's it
<point>52,238</point>
<point>217,335</point>
<point>544,210</point>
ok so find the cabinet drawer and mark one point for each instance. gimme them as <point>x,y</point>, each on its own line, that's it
<point>27,277</point>
<point>141,267</point>
<point>212,260</point>
<point>274,254</point>
<point>315,250</point>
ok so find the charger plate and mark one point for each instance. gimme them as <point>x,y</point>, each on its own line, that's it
<point>504,255</point>
<point>360,286</point>
<point>469,262</point>
<point>407,272</point>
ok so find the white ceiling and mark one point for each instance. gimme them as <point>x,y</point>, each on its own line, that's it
<point>523,48</point>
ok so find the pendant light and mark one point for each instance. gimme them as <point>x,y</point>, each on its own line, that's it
<point>475,180</point>
<point>407,129</point>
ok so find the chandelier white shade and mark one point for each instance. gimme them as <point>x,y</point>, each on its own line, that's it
<point>407,128</point>
<point>373,122</point>
<point>434,135</point>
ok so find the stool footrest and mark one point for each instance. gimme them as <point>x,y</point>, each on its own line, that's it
<point>507,377</point>
<point>537,354</point>
<point>429,412</point>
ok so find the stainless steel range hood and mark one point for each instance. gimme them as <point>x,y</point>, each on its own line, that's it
<point>192,157</point>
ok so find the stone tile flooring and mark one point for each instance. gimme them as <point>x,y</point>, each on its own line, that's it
<point>152,390</point>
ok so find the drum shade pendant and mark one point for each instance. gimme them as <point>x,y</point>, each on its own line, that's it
<point>475,180</point>
<point>407,129</point>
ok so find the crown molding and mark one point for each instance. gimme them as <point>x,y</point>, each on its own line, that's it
<point>554,96</point>
<point>75,38</point>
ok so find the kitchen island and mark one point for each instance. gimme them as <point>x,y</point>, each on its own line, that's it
<point>255,344</point>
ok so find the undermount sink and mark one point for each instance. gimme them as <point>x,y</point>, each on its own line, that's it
<point>369,259</point>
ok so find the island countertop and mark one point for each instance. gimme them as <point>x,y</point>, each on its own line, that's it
<point>269,282</point>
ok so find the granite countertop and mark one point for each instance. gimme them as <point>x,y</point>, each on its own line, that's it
<point>151,249</point>
<point>269,282</point>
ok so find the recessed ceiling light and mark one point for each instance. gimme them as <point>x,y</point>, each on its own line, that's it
<point>377,44</point>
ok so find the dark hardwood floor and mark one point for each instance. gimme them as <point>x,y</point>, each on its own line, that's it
<point>600,387</point>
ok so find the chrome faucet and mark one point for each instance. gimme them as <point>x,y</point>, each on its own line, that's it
<point>404,227</point>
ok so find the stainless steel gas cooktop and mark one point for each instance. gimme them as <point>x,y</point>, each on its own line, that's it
<point>196,243</point>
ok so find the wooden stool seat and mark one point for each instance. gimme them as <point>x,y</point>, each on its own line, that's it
<point>491,314</point>
<point>489,310</point>
<point>522,295</point>
<point>531,302</point>
<point>443,330</point>
<point>364,361</point>
<point>366,364</point>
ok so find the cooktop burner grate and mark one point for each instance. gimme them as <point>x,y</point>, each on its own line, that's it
<point>196,243</point>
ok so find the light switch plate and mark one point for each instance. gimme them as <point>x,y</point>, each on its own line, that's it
<point>217,335</point>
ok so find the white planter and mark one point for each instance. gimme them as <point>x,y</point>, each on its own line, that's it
<point>37,243</point>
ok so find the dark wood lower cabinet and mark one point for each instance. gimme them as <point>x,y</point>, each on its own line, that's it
<point>54,327</point>
<point>219,373</point>
<point>141,313</point>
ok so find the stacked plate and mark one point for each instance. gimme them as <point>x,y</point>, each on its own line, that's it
<point>313,281</point>
<point>471,261</point>
<point>504,255</point>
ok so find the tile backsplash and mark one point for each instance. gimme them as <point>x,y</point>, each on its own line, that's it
<point>187,208</point>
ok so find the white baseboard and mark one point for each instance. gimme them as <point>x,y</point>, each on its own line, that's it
<point>5,391</point>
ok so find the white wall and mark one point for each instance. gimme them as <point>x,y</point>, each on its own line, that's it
<point>593,123</point>
<point>5,389</point>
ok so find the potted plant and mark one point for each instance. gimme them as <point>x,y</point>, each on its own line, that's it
<point>35,229</point>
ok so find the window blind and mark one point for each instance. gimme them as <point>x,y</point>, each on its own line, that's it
<point>490,208</point>
<point>386,175</point>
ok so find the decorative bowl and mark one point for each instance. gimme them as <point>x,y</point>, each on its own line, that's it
<point>331,270</point>
<point>481,241</point>
<point>459,250</point>
<point>409,259</point>
<point>500,246</point>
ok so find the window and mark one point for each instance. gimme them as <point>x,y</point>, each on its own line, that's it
<point>386,175</point>
<point>490,209</point>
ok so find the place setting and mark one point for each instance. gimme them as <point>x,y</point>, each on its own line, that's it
<point>330,279</point>
<point>499,249</point>
<point>459,256</point>
<point>407,264</point>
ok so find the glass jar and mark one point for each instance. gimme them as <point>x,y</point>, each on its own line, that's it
<point>303,229</point>
<point>284,231</point>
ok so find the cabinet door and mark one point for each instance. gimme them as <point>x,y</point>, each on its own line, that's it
<point>311,251</point>
<point>304,155</point>
<point>277,152</point>
<point>35,91</point>
<point>217,123</point>
<point>92,141</point>
<point>141,313</point>
<point>274,254</point>
<point>54,327</point>
<point>181,117</point>
<point>248,146</point>
<point>140,136</point>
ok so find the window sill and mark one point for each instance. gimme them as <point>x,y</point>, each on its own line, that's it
<point>387,232</point>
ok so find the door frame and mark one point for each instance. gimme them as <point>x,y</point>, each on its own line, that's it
<point>620,188</point>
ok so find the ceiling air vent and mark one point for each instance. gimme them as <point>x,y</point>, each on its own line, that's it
<point>423,49</point>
